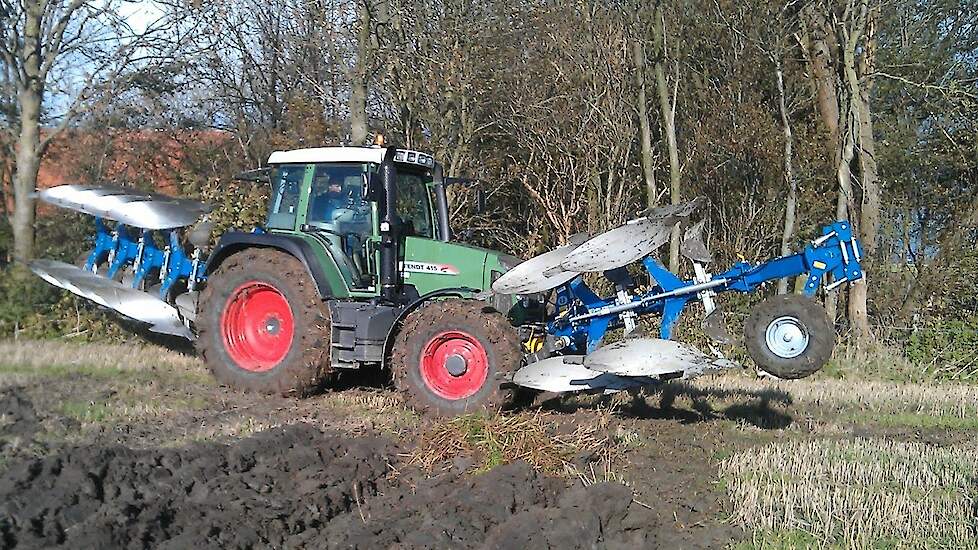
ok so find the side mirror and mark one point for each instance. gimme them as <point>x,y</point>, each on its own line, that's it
<point>260,175</point>
<point>480,195</point>
<point>372,186</point>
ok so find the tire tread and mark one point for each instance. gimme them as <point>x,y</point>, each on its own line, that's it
<point>809,312</point>
<point>301,372</point>
<point>503,346</point>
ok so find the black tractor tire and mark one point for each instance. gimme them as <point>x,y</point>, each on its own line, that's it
<point>789,316</point>
<point>283,298</point>
<point>485,349</point>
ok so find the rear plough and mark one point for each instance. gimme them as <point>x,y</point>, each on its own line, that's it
<point>789,336</point>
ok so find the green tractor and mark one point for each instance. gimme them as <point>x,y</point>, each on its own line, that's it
<point>352,270</point>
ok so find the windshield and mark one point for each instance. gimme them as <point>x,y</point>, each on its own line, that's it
<point>336,200</point>
<point>414,203</point>
<point>283,202</point>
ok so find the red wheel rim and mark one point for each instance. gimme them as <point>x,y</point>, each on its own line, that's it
<point>454,365</point>
<point>257,326</point>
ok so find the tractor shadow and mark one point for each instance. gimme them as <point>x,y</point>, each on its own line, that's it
<point>679,401</point>
<point>358,379</point>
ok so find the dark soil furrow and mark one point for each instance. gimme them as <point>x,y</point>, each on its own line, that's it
<point>295,486</point>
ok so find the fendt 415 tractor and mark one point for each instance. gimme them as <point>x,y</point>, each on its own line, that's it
<point>356,240</point>
<point>355,268</point>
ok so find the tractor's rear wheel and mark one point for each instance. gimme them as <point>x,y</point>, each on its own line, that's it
<point>789,336</point>
<point>450,357</point>
<point>262,325</point>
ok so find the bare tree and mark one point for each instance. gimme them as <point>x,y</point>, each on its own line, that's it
<point>571,128</point>
<point>667,111</point>
<point>790,181</point>
<point>839,42</point>
<point>44,44</point>
<point>821,46</point>
<point>358,82</point>
<point>642,108</point>
<point>859,30</point>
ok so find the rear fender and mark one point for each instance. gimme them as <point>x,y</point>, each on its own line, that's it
<point>236,241</point>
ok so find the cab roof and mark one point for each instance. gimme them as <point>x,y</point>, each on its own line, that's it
<point>328,154</point>
<point>348,154</point>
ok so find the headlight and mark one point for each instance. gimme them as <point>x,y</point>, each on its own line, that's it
<point>414,157</point>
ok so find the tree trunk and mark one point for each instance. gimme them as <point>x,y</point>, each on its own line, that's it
<point>594,203</point>
<point>820,43</point>
<point>648,172</point>
<point>358,91</point>
<point>30,92</point>
<point>25,177</point>
<point>668,116</point>
<point>868,218</point>
<point>789,179</point>
<point>860,124</point>
<point>844,201</point>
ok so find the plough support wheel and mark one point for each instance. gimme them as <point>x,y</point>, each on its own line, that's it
<point>789,336</point>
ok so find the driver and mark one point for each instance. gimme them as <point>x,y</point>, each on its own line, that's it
<point>330,206</point>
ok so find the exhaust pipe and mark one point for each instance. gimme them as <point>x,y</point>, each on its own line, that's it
<point>441,201</point>
<point>389,253</point>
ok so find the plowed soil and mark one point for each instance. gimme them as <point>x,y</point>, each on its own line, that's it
<point>132,446</point>
<point>132,457</point>
<point>295,486</point>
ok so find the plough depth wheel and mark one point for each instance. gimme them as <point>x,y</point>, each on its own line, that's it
<point>789,336</point>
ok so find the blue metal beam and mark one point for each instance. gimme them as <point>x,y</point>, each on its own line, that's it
<point>585,317</point>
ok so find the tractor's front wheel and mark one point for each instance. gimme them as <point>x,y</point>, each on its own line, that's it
<point>262,325</point>
<point>450,357</point>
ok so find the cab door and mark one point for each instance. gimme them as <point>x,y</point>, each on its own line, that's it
<point>288,196</point>
<point>426,264</point>
<point>337,215</point>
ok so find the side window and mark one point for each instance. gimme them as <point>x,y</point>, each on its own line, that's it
<point>413,206</point>
<point>433,201</point>
<point>336,201</point>
<point>283,203</point>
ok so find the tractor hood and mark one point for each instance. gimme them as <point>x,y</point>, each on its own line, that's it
<point>495,263</point>
<point>432,265</point>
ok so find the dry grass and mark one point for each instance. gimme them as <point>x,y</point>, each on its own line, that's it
<point>110,388</point>
<point>534,438</point>
<point>43,353</point>
<point>380,402</point>
<point>857,493</point>
<point>23,360</point>
<point>832,395</point>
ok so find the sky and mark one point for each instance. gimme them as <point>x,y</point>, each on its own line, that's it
<point>140,13</point>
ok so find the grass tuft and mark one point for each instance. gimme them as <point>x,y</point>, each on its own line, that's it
<point>89,412</point>
<point>534,438</point>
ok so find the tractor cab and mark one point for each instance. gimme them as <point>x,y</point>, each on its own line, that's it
<point>336,200</point>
